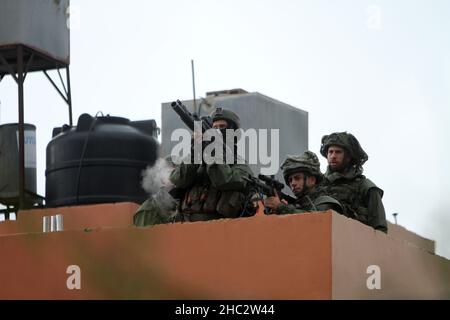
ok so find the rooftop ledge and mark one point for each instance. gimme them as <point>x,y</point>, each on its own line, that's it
<point>320,255</point>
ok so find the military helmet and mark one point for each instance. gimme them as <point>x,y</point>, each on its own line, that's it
<point>348,142</point>
<point>228,115</point>
<point>306,162</point>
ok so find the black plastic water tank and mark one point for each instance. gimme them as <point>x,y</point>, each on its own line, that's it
<point>99,161</point>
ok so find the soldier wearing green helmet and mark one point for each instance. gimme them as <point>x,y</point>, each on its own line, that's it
<point>232,119</point>
<point>302,174</point>
<point>213,191</point>
<point>344,180</point>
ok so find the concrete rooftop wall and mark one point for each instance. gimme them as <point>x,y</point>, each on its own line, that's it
<point>300,256</point>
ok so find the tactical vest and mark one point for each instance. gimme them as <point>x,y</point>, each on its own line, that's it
<point>318,200</point>
<point>351,194</point>
<point>202,197</point>
<point>305,203</point>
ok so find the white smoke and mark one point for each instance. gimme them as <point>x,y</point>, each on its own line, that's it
<point>157,183</point>
<point>157,177</point>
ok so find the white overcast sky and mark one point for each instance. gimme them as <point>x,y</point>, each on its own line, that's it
<point>379,69</point>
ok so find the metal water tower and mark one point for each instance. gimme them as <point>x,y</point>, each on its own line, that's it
<point>34,36</point>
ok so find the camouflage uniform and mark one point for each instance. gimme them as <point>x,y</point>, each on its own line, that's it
<point>360,197</point>
<point>310,198</point>
<point>160,207</point>
<point>213,191</point>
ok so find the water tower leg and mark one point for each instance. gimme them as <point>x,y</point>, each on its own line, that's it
<point>21,128</point>
<point>69,95</point>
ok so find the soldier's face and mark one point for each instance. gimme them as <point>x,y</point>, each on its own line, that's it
<point>336,157</point>
<point>297,182</point>
<point>220,124</point>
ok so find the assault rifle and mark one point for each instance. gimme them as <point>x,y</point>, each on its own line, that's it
<point>189,118</point>
<point>269,187</point>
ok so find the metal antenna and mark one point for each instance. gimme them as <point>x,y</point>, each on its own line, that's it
<point>193,85</point>
<point>395,217</point>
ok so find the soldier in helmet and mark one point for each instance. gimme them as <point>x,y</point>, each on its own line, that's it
<point>213,191</point>
<point>344,180</point>
<point>302,174</point>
